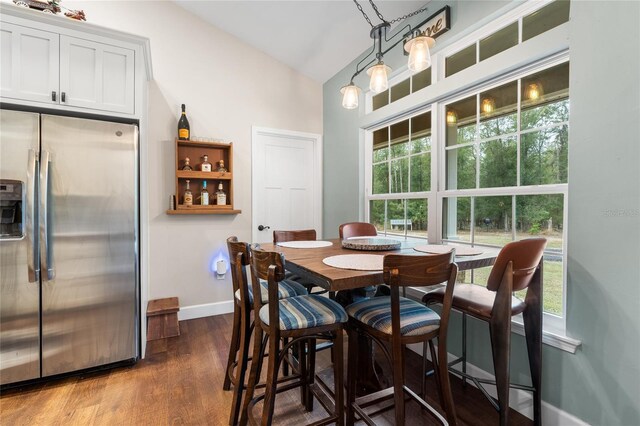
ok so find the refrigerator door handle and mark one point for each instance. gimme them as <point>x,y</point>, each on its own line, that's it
<point>33,265</point>
<point>45,261</point>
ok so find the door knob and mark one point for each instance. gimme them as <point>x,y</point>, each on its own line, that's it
<point>262,228</point>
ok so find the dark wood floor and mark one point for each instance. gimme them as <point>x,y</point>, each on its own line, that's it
<point>180,382</point>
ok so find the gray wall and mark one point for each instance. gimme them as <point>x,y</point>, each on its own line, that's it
<point>601,382</point>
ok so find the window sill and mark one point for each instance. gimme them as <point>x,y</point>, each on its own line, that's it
<point>551,337</point>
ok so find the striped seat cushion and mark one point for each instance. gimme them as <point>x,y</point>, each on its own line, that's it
<point>415,318</point>
<point>306,312</point>
<point>286,288</point>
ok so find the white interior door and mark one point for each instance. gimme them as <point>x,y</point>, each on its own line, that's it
<point>286,182</point>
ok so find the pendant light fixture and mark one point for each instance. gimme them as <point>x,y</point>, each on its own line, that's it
<point>350,96</point>
<point>419,50</point>
<point>417,44</point>
<point>452,117</point>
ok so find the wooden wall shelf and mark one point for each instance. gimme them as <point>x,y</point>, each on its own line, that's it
<point>196,150</point>
<point>203,211</point>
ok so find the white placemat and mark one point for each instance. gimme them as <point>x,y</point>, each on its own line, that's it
<point>438,249</point>
<point>305,244</point>
<point>357,262</point>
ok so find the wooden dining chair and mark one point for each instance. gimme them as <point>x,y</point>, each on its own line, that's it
<point>297,235</point>
<point>303,320</point>
<point>239,257</point>
<point>357,229</point>
<point>399,321</point>
<point>518,267</point>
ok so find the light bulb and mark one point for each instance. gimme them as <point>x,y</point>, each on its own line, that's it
<point>350,94</point>
<point>379,77</point>
<point>419,53</point>
<point>488,105</point>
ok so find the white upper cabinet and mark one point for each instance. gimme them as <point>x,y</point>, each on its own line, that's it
<point>95,75</point>
<point>30,64</point>
<point>53,62</point>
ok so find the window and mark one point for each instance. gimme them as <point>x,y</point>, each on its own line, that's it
<point>533,24</point>
<point>401,177</point>
<point>508,151</point>
<point>405,87</point>
<point>493,166</point>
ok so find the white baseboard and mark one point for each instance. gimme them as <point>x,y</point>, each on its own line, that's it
<point>205,310</point>
<point>519,400</point>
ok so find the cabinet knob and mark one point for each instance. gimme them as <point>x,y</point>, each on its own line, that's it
<point>53,96</point>
<point>262,228</point>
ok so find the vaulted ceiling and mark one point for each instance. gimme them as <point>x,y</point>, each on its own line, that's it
<point>317,38</point>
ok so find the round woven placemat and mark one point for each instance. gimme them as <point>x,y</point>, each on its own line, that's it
<point>356,262</point>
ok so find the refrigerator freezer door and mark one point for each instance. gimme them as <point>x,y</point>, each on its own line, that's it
<point>19,286</point>
<point>89,290</point>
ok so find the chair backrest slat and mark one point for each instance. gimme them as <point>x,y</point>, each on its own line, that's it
<point>299,235</point>
<point>525,255</point>
<point>357,229</point>
<point>418,270</point>
<point>238,252</point>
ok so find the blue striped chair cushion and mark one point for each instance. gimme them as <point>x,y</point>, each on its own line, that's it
<point>415,318</point>
<point>286,288</point>
<point>306,312</point>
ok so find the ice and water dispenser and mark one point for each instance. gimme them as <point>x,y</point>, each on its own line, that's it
<point>11,205</point>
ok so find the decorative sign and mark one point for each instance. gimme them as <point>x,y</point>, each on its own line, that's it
<point>439,23</point>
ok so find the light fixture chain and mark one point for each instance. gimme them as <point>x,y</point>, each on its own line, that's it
<point>362,11</point>
<point>402,18</point>
<point>375,8</point>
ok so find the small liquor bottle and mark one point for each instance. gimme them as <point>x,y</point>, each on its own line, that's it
<point>206,165</point>
<point>221,197</point>
<point>204,194</point>
<point>188,196</point>
<point>187,166</point>
<point>221,168</point>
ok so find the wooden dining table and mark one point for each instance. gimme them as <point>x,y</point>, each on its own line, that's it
<point>308,264</point>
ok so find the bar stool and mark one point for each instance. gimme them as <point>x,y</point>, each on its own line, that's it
<point>239,256</point>
<point>303,319</point>
<point>399,322</point>
<point>518,266</point>
<point>356,229</point>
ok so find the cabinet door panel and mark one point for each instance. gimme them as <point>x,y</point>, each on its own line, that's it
<point>97,76</point>
<point>30,64</point>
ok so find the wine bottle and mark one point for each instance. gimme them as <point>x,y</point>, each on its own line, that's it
<point>204,194</point>
<point>183,126</point>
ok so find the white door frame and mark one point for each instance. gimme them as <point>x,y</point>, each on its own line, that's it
<point>317,177</point>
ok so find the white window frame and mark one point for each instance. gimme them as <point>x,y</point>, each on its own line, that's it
<point>554,325</point>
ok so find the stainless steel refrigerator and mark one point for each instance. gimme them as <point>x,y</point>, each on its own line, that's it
<point>68,244</point>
